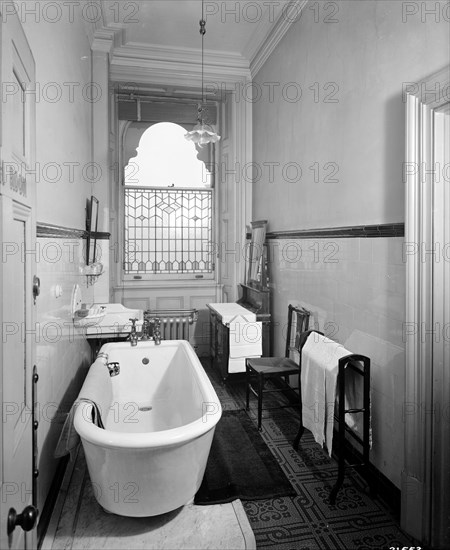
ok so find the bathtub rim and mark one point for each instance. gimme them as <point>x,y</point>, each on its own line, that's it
<point>164,438</point>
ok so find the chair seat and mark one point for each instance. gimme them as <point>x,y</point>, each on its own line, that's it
<point>273,365</point>
<point>261,368</point>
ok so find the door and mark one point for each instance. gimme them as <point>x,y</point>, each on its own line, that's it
<point>17,315</point>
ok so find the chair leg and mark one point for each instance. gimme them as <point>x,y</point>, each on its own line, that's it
<point>298,437</point>
<point>260,398</point>
<point>247,379</point>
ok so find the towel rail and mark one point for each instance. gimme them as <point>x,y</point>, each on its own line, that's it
<point>361,365</point>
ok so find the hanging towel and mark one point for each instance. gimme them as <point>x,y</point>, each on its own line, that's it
<point>320,357</point>
<point>69,438</point>
<point>237,364</point>
<point>96,390</point>
<point>245,334</point>
<point>245,338</point>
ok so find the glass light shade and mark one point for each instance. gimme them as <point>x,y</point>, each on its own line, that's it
<point>202,134</point>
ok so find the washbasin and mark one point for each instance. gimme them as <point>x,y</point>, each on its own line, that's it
<point>117,317</point>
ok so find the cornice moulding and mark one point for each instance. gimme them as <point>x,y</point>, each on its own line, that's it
<point>274,37</point>
<point>152,71</point>
<point>107,38</point>
<point>186,55</point>
<point>164,77</point>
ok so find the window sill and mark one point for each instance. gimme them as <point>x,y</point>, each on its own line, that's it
<point>180,283</point>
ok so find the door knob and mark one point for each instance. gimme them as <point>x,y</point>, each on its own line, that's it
<point>26,520</point>
<point>36,288</point>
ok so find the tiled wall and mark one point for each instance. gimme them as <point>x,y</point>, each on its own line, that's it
<point>355,289</point>
<point>62,352</point>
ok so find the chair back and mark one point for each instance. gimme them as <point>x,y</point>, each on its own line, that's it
<point>298,322</point>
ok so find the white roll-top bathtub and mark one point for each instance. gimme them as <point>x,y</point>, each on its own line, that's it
<point>159,415</point>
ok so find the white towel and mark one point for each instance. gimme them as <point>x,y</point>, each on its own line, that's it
<point>320,357</point>
<point>69,438</point>
<point>229,311</point>
<point>245,338</point>
<point>95,390</point>
<point>238,364</point>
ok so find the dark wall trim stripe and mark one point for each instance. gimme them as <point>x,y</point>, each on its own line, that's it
<point>352,231</point>
<point>46,231</point>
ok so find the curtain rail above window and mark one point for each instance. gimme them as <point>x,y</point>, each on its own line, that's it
<point>157,109</point>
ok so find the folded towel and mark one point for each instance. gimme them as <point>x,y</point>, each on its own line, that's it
<point>320,357</point>
<point>229,311</point>
<point>245,338</point>
<point>69,438</point>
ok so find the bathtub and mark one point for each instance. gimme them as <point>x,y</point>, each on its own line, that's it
<point>159,415</point>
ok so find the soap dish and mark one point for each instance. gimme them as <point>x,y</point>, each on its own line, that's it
<point>89,317</point>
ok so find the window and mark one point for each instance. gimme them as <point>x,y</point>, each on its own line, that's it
<point>168,208</point>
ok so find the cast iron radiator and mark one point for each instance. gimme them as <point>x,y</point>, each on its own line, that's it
<point>174,324</point>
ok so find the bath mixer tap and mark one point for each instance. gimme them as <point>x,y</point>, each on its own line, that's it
<point>147,331</point>
<point>133,333</point>
<point>156,332</point>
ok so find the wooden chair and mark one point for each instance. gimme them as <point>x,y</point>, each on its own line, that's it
<point>263,368</point>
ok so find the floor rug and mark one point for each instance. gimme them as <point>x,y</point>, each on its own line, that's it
<point>240,465</point>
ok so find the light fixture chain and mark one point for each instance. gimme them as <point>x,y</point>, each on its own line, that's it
<point>203,32</point>
<point>202,133</point>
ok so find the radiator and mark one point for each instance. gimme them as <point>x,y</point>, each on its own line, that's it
<point>174,324</point>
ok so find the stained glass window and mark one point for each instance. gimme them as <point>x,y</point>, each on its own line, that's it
<point>168,231</point>
<point>168,227</point>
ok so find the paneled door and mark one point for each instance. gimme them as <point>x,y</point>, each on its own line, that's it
<point>18,516</point>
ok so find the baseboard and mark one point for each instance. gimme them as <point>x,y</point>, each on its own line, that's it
<point>50,501</point>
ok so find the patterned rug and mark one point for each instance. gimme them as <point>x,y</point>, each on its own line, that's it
<point>308,521</point>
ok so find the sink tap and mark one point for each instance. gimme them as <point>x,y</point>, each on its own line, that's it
<point>133,333</point>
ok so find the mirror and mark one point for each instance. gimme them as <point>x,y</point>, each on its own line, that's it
<point>91,228</point>
<point>257,254</point>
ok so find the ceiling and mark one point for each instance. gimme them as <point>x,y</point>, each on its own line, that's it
<point>232,26</point>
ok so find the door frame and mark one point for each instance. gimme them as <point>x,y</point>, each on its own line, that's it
<point>425,472</point>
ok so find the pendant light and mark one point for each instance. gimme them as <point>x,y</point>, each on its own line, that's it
<point>202,133</point>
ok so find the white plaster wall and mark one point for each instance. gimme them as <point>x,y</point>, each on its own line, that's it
<point>365,57</point>
<point>64,115</point>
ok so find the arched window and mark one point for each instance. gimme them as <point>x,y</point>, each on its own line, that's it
<point>166,159</point>
<point>168,206</point>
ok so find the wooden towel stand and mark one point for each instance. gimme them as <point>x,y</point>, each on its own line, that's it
<point>361,365</point>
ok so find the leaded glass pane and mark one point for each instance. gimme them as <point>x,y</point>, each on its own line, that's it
<point>168,231</point>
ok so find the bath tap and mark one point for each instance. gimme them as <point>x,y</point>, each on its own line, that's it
<point>147,331</point>
<point>156,332</point>
<point>133,334</point>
